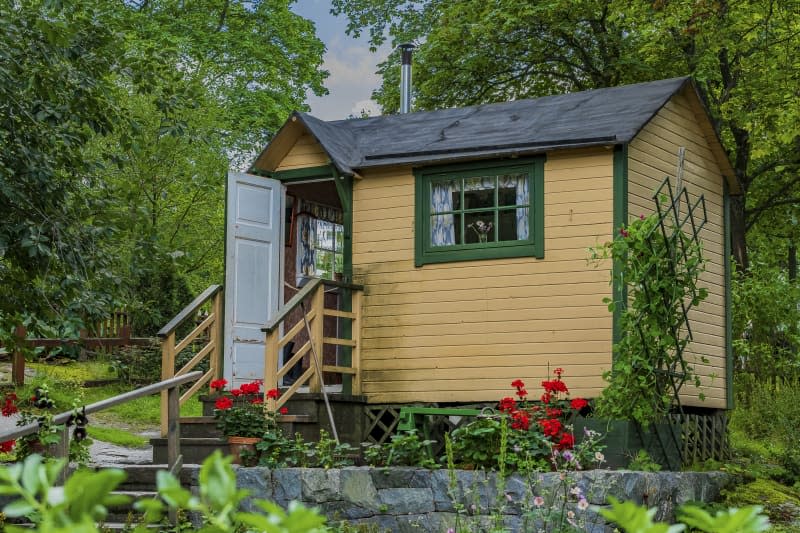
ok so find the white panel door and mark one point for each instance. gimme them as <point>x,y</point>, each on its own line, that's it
<point>252,271</point>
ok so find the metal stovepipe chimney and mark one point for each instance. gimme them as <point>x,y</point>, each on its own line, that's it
<point>405,77</point>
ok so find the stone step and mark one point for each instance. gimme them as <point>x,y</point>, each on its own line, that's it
<point>126,512</point>
<point>140,477</point>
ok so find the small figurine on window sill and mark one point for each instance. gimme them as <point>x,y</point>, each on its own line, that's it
<point>481,229</point>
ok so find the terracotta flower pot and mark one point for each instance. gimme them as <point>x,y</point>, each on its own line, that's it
<point>240,444</point>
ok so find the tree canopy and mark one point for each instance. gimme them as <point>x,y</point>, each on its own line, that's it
<point>742,55</point>
<point>118,122</point>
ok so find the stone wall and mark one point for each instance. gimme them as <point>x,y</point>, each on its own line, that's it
<point>405,499</point>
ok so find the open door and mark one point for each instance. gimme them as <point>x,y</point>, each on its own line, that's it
<point>253,245</point>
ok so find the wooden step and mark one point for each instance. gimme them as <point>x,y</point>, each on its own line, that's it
<point>193,449</point>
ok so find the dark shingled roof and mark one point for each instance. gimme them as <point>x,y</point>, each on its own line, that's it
<point>589,118</point>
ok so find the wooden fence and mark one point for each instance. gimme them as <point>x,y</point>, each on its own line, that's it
<point>122,338</point>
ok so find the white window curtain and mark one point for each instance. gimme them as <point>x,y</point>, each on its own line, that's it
<point>443,232</point>
<point>520,184</point>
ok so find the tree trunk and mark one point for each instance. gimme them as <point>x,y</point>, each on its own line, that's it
<point>738,238</point>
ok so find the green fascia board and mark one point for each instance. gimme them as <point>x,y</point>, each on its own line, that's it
<point>488,250</point>
<point>619,289</point>
<point>303,174</point>
<point>726,213</point>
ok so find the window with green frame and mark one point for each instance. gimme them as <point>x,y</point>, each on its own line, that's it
<point>482,210</point>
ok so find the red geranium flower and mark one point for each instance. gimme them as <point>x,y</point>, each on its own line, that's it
<point>257,401</point>
<point>553,413</point>
<point>237,392</point>
<point>566,442</point>
<point>550,427</point>
<point>520,420</point>
<point>7,446</point>
<point>218,384</point>
<point>546,397</point>
<point>558,372</point>
<point>284,410</point>
<point>273,394</point>
<point>223,403</point>
<point>522,393</point>
<point>578,403</point>
<point>555,385</point>
<point>518,383</point>
<point>507,404</point>
<point>250,388</point>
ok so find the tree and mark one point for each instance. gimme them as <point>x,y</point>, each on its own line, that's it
<point>742,54</point>
<point>56,95</point>
<point>117,123</point>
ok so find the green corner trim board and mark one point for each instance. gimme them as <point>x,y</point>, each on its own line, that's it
<point>618,289</point>
<point>726,213</point>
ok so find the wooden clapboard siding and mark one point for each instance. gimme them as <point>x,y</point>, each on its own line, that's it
<point>461,332</point>
<point>306,152</point>
<point>652,156</point>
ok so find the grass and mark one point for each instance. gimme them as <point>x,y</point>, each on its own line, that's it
<point>116,436</point>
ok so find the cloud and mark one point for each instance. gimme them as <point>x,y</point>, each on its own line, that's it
<point>352,79</point>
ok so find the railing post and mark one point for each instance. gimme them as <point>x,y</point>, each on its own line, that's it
<point>61,451</point>
<point>271,362</point>
<point>215,362</point>
<point>18,358</point>
<point>173,439</point>
<point>355,361</point>
<point>167,371</point>
<point>317,333</point>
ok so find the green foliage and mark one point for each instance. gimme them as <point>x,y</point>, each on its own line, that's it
<point>780,502</point>
<point>642,462</point>
<point>404,449</point>
<point>118,124</point>
<point>84,499</point>
<point>636,519</point>
<point>117,436</point>
<point>327,453</point>
<point>766,324</point>
<point>76,508</point>
<point>661,280</point>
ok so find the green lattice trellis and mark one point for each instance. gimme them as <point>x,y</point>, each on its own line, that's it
<point>679,222</point>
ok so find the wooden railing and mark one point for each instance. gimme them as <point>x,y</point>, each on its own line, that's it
<point>168,387</point>
<point>211,325</point>
<point>311,301</point>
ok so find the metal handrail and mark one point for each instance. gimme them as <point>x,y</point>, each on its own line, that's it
<point>147,390</point>
<point>172,386</point>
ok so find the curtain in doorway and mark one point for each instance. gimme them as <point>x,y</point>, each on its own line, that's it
<point>305,266</point>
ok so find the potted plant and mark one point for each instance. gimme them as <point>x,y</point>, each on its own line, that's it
<point>242,417</point>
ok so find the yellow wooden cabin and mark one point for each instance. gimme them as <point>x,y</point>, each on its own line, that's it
<point>456,242</point>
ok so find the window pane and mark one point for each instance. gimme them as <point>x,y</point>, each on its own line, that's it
<point>325,235</point>
<point>324,264</point>
<point>445,195</point>
<point>339,266</point>
<point>479,192</point>
<point>513,224</point>
<point>479,227</point>
<point>513,190</point>
<point>339,237</point>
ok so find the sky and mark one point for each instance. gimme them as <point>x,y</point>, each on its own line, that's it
<point>351,65</point>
